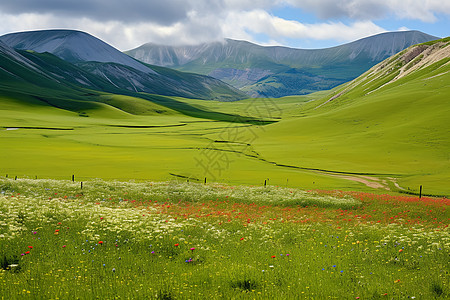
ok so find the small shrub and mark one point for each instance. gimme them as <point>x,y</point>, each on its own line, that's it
<point>165,295</point>
<point>10,263</point>
<point>244,284</point>
<point>437,289</point>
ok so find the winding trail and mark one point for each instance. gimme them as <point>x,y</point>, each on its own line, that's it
<point>372,183</point>
<point>371,180</point>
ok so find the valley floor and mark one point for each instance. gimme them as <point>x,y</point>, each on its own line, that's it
<point>44,142</point>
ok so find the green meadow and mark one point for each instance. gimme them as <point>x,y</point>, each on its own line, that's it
<point>399,144</point>
<point>111,143</point>
<point>179,240</point>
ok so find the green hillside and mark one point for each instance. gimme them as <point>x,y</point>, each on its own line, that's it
<point>390,122</point>
<point>46,80</point>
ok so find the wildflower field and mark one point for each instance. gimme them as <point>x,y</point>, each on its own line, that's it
<point>177,240</point>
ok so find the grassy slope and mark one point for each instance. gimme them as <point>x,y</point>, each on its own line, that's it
<point>401,129</point>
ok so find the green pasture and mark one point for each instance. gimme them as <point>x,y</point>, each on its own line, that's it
<point>141,140</point>
<point>126,137</point>
<point>95,148</point>
<point>178,240</point>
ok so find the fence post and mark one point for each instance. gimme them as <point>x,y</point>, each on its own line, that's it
<point>420,192</point>
<point>73,178</point>
<point>265,182</point>
<point>82,185</point>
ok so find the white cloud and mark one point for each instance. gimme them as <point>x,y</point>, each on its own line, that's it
<point>196,21</point>
<point>423,10</point>
<point>261,22</point>
<point>403,28</point>
<point>198,28</point>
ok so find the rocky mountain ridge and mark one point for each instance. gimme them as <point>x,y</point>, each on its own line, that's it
<point>280,71</point>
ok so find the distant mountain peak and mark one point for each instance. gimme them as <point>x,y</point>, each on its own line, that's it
<point>72,46</point>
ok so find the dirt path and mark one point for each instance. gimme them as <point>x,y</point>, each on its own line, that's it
<point>371,182</point>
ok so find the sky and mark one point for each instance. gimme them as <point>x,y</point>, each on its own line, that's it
<point>293,23</point>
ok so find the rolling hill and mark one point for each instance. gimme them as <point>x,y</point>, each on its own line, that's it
<point>103,67</point>
<point>390,123</point>
<point>279,71</point>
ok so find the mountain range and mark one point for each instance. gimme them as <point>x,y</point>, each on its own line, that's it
<point>226,71</point>
<point>78,58</point>
<point>280,71</point>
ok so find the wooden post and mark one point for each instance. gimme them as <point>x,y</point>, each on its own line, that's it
<point>82,185</point>
<point>15,178</point>
<point>265,182</point>
<point>205,180</point>
<point>73,178</point>
<point>36,176</point>
<point>420,192</point>
<point>6,175</point>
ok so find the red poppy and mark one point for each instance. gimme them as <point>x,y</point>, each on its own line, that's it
<point>273,256</point>
<point>176,245</point>
<point>31,247</point>
<point>28,252</point>
<point>100,242</point>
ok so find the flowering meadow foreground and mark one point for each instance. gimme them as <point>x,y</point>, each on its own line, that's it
<point>173,240</point>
